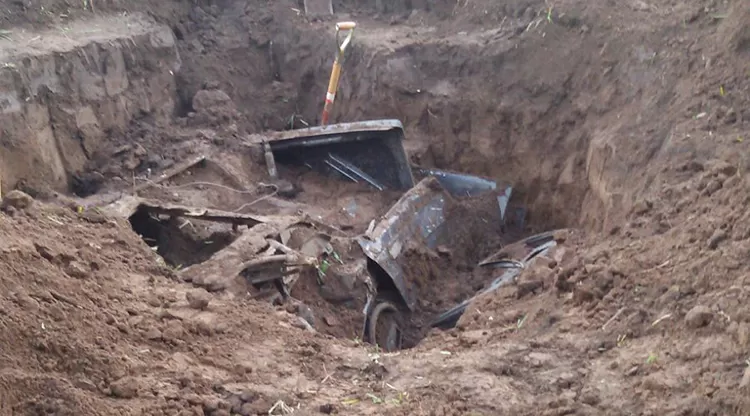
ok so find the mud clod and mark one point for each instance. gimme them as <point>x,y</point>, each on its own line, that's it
<point>198,299</point>
<point>125,388</point>
<point>77,269</point>
<point>699,316</point>
<point>304,312</point>
<point>745,382</point>
<point>641,207</point>
<point>16,200</point>
<point>717,238</point>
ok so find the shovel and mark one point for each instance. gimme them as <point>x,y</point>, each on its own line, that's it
<point>333,83</point>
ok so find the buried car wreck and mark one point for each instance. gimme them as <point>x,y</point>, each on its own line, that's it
<point>338,251</point>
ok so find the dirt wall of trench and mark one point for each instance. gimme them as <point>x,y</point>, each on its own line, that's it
<point>62,100</point>
<point>583,124</point>
<point>553,104</point>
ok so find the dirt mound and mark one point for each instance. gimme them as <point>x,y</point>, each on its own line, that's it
<point>92,318</point>
<point>474,231</point>
<point>647,311</point>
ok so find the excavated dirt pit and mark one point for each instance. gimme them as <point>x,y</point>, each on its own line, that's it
<point>138,148</point>
<point>627,120</point>
<point>441,278</point>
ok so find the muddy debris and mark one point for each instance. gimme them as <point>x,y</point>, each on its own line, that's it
<point>198,299</point>
<point>717,238</point>
<point>304,312</point>
<point>125,388</point>
<point>699,316</point>
<point>745,382</point>
<point>153,334</point>
<point>328,409</point>
<point>16,200</point>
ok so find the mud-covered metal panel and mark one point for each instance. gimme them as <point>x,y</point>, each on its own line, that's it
<point>416,218</point>
<point>509,262</point>
<point>458,184</point>
<point>367,151</point>
<point>464,185</point>
<point>449,318</point>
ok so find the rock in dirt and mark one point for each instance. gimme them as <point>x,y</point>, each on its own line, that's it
<point>330,320</point>
<point>641,207</point>
<point>27,302</point>
<point>249,396</point>
<point>745,382</point>
<point>632,371</point>
<point>85,384</point>
<point>206,100</point>
<point>721,167</point>
<point>198,299</point>
<point>153,334</point>
<point>561,236</point>
<point>17,200</point>
<point>173,333</point>
<point>712,186</point>
<point>731,182</point>
<point>304,312</point>
<point>301,323</point>
<point>524,288</point>
<point>210,404</point>
<point>699,316</point>
<point>204,327</point>
<point>77,270</point>
<point>124,388</point>
<point>286,189</point>
<point>716,238</point>
<point>743,334</point>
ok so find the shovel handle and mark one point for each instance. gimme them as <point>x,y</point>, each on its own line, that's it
<point>342,45</point>
<point>333,83</point>
<point>345,26</point>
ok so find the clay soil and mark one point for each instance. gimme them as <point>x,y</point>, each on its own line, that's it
<point>625,121</point>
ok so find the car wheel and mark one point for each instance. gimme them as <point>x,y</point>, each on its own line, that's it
<point>385,327</point>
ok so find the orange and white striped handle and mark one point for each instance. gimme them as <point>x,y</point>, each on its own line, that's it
<point>333,84</point>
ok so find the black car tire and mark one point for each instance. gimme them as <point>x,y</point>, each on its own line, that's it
<point>385,327</point>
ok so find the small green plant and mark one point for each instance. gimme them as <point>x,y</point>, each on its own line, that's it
<point>375,399</point>
<point>651,359</point>
<point>322,268</point>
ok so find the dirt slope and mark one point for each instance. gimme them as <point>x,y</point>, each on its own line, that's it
<point>627,120</point>
<point>94,325</point>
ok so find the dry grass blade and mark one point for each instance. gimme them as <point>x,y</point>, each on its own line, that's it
<point>5,34</point>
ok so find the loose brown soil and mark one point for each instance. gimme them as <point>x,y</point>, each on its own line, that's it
<point>626,121</point>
